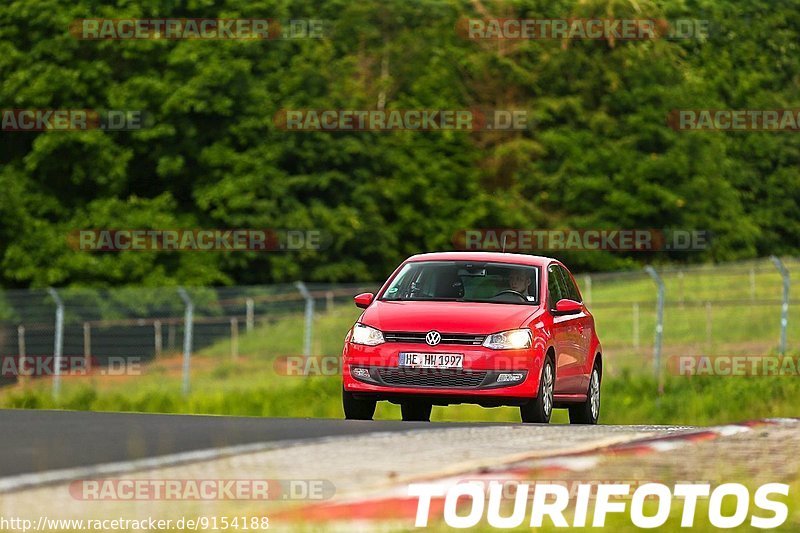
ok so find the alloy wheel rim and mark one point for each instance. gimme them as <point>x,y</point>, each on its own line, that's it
<point>594,395</point>
<point>548,389</point>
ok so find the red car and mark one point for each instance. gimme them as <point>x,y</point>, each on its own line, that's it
<point>474,327</point>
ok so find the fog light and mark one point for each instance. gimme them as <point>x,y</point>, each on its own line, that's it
<point>357,372</point>
<point>510,378</point>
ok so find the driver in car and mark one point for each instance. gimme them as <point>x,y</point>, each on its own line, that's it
<point>519,281</point>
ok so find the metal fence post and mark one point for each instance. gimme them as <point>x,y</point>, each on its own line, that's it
<point>309,317</point>
<point>785,305</point>
<point>187,336</point>
<point>87,346</point>
<point>329,301</point>
<point>587,282</point>
<point>21,371</point>
<point>159,345</point>
<point>709,327</point>
<point>234,338</point>
<point>659,323</point>
<point>249,319</point>
<point>58,342</point>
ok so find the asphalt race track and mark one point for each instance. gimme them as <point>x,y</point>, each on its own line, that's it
<point>53,459</point>
<point>36,441</point>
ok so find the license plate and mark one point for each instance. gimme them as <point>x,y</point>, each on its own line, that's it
<point>431,360</point>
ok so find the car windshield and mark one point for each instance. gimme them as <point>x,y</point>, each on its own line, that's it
<point>465,281</point>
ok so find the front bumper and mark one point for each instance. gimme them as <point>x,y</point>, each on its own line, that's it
<point>380,376</point>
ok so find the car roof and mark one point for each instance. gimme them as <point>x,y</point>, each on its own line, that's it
<point>497,257</point>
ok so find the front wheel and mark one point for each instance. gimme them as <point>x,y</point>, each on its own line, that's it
<point>588,412</point>
<point>539,409</point>
<point>416,411</point>
<point>357,408</point>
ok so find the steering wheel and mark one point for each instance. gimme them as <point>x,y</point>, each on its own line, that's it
<point>511,291</point>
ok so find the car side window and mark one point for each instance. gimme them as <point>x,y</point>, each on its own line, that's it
<point>554,293</point>
<point>571,290</point>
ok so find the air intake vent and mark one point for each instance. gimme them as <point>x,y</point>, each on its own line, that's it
<point>428,377</point>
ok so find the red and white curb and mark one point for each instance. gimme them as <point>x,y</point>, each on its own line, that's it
<point>394,503</point>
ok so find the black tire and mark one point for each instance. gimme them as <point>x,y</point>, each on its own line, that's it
<point>588,412</point>
<point>539,409</point>
<point>416,411</point>
<point>357,408</point>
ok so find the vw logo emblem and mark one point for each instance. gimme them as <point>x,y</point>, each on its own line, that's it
<point>433,338</point>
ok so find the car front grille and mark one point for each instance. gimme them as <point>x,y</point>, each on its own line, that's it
<point>447,338</point>
<point>429,377</point>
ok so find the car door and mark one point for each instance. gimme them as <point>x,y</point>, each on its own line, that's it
<point>584,329</point>
<point>561,334</point>
<point>569,361</point>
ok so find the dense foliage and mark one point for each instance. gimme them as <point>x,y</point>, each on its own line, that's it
<point>600,154</point>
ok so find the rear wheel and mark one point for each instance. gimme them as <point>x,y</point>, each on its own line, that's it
<point>540,408</point>
<point>357,408</point>
<point>416,411</point>
<point>588,412</point>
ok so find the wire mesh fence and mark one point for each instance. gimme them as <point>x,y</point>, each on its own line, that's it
<point>107,327</point>
<point>734,308</point>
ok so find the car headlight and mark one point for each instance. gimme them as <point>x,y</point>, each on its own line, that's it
<point>513,339</point>
<point>366,335</point>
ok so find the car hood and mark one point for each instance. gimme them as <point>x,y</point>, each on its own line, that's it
<point>448,317</point>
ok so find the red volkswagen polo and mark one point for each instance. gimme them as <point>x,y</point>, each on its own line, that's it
<point>474,327</point>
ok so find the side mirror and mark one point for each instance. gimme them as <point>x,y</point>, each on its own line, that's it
<point>568,307</point>
<point>364,299</point>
